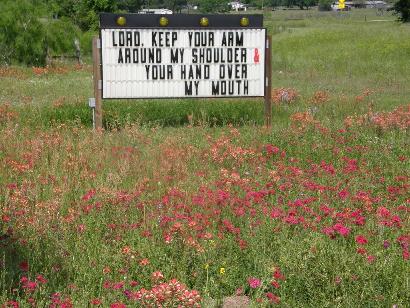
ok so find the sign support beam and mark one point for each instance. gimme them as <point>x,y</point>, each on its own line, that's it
<point>97,82</point>
<point>268,82</point>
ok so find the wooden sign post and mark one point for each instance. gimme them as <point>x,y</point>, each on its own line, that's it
<point>268,82</point>
<point>97,82</point>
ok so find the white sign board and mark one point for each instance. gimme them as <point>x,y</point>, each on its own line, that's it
<point>171,63</point>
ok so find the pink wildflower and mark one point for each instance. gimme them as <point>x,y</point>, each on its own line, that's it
<point>254,282</point>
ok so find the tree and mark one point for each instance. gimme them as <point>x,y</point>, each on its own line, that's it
<point>289,3</point>
<point>302,4</point>
<point>325,5</point>
<point>213,6</point>
<point>22,35</point>
<point>402,9</point>
<point>175,5</point>
<point>276,3</point>
<point>85,13</point>
<point>131,6</point>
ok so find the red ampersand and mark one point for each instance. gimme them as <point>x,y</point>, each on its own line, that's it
<point>256,55</point>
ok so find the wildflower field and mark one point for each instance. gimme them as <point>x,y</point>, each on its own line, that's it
<point>185,203</point>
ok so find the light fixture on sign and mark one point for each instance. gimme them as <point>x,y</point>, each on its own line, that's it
<point>121,21</point>
<point>204,22</point>
<point>244,22</point>
<point>163,21</point>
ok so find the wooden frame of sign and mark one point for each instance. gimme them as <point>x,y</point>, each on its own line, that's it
<point>181,56</point>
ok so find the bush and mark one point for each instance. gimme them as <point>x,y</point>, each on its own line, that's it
<point>325,5</point>
<point>22,36</point>
<point>213,6</point>
<point>402,8</point>
<point>86,40</point>
<point>60,38</point>
<point>28,39</point>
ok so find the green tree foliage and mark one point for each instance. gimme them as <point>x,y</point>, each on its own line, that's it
<point>131,6</point>
<point>275,3</point>
<point>84,13</point>
<point>325,5</point>
<point>175,5</point>
<point>302,4</point>
<point>22,35</point>
<point>402,9</point>
<point>305,4</point>
<point>60,36</point>
<point>27,37</point>
<point>213,6</point>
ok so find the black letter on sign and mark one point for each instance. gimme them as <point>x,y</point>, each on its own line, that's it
<point>215,87</point>
<point>121,38</point>
<point>120,59</point>
<point>129,38</point>
<point>127,55</point>
<point>239,39</point>
<point>196,83</point>
<point>246,87</point>
<point>147,70</point>
<point>113,39</point>
<point>174,55</point>
<point>188,88</point>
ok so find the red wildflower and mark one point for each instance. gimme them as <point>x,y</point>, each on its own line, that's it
<point>88,195</point>
<point>144,262</point>
<point>24,266</point>
<point>342,230</point>
<point>95,302</point>
<point>157,276</point>
<point>361,240</point>
<point>270,149</point>
<point>5,218</point>
<point>278,275</point>
<point>12,304</point>
<point>118,305</point>
<point>361,251</point>
<point>386,244</point>
<point>41,279</point>
<point>134,283</point>
<point>338,280</point>
<point>371,258</point>
<point>343,194</point>
<point>273,298</point>
<point>118,285</point>
<point>254,282</point>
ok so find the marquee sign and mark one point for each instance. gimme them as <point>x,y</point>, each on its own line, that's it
<point>181,55</point>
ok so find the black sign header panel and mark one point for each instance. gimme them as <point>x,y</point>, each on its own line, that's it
<point>180,21</point>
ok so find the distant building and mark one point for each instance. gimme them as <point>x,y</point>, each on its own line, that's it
<point>237,6</point>
<point>155,11</point>
<point>360,4</point>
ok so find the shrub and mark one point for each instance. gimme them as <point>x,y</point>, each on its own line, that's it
<point>27,39</point>
<point>22,36</point>
<point>61,34</point>
<point>86,39</point>
<point>402,8</point>
<point>325,5</point>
